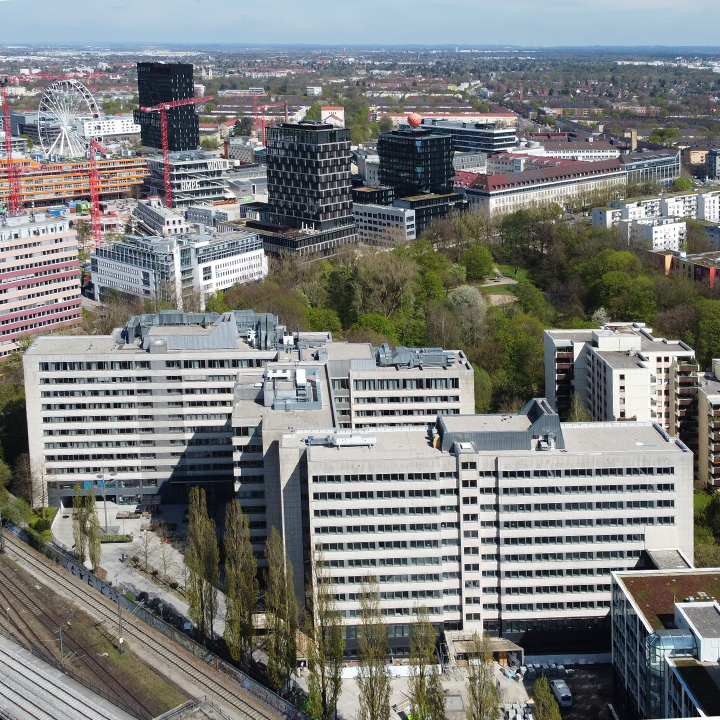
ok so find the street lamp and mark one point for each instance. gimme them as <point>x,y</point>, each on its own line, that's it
<point>102,477</point>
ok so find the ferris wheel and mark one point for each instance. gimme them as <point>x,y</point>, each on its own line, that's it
<point>64,106</point>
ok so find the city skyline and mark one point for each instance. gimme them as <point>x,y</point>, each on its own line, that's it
<point>517,22</point>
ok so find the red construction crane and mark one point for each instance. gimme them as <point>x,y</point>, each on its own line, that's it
<point>255,97</point>
<point>162,108</point>
<point>14,204</point>
<point>95,191</point>
<point>264,107</point>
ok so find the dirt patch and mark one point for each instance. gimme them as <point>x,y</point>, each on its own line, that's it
<point>38,617</point>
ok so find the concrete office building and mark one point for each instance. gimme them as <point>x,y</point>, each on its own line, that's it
<point>666,639</point>
<point>209,215</point>
<point>162,268</point>
<point>195,177</point>
<point>470,161</point>
<point>108,127</point>
<point>158,83</point>
<point>662,166</point>
<point>156,219</point>
<point>506,523</point>
<point>622,372</point>
<point>384,224</point>
<point>309,189</point>
<point>708,471</point>
<point>39,276</point>
<point>712,164</point>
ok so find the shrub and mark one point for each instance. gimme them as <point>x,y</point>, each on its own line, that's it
<point>130,596</point>
<point>116,539</point>
<point>41,525</point>
<point>154,573</point>
<point>173,585</point>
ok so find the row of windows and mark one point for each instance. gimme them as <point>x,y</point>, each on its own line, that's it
<point>549,606</point>
<point>589,472</point>
<point>599,505</point>
<point>573,556</point>
<point>398,527</point>
<point>382,477</point>
<point>584,489</point>
<point>387,545</point>
<point>145,364</point>
<point>571,539</point>
<point>405,384</point>
<point>367,512</point>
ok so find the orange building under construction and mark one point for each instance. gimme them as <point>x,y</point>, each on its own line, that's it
<point>44,184</point>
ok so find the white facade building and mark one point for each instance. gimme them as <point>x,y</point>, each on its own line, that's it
<point>384,224</point>
<point>314,90</point>
<point>159,220</point>
<point>657,233</point>
<point>156,268</point>
<point>109,126</point>
<point>209,215</point>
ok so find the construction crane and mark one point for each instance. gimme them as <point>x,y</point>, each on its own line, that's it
<point>95,190</point>
<point>264,107</point>
<point>14,204</point>
<point>162,108</point>
<point>255,97</point>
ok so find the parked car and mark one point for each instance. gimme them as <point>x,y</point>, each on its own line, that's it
<point>562,693</point>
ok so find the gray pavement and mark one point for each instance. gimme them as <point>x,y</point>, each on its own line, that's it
<point>120,572</point>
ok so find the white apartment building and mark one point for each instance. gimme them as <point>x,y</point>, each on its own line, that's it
<point>697,205</point>
<point>314,90</point>
<point>384,224</point>
<point>155,267</point>
<point>39,279</point>
<point>708,414</point>
<point>108,126</point>
<point>470,161</point>
<point>156,219</point>
<point>588,151</point>
<point>506,523</point>
<point>622,372</point>
<point>657,233</point>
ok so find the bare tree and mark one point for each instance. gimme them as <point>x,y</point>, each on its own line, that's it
<point>148,547</point>
<point>483,698</point>
<point>79,518</point>
<point>94,537</point>
<point>373,678</point>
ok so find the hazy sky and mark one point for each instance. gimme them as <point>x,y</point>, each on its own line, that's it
<point>348,22</point>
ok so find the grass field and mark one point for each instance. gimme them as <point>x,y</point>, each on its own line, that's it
<point>493,289</point>
<point>509,271</point>
<point>701,500</point>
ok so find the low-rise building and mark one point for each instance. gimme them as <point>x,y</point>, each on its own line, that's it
<point>209,215</point>
<point>712,163</point>
<point>108,127</point>
<point>474,135</point>
<point>156,219</point>
<point>314,90</point>
<point>661,166</point>
<point>244,150</point>
<point>40,276</point>
<point>160,268</point>
<point>382,224</point>
<point>470,161</point>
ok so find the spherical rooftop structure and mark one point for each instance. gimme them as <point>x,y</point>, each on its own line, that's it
<point>415,120</point>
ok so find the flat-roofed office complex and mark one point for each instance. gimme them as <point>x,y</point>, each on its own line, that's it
<point>510,524</point>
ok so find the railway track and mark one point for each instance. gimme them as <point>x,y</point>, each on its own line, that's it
<point>154,647</point>
<point>29,694</point>
<point>43,624</point>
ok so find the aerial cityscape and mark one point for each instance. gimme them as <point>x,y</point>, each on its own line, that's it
<point>367,375</point>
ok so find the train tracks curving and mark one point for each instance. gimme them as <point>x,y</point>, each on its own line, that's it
<point>185,668</point>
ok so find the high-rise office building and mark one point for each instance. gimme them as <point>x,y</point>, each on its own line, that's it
<point>417,163</point>
<point>416,160</point>
<point>160,82</point>
<point>309,188</point>
<point>510,524</point>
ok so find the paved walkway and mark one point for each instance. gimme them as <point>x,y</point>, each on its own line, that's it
<point>161,556</point>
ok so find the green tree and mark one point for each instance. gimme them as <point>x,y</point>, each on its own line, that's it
<point>202,561</point>
<point>483,390</point>
<point>483,698</point>
<point>468,306</point>
<point>79,518</point>
<point>379,324</point>
<point>209,143</point>
<point>94,538</point>
<point>216,303</point>
<point>373,678</point>
<point>533,302</point>
<point>427,698</point>
<point>242,588</point>
<point>324,628</point>
<point>324,320</point>
<point>708,340</point>
<point>385,124</point>
<point>314,113</point>
<point>578,412</point>
<point>478,262</point>
<point>243,127</point>
<point>681,185</point>
<point>5,476</point>
<point>546,707</point>
<point>281,612</point>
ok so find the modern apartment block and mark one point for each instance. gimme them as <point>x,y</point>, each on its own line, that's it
<point>622,372</point>
<point>195,177</point>
<point>40,276</point>
<point>506,523</point>
<point>666,640</point>
<point>384,224</point>
<point>158,83</point>
<point>309,189</point>
<point>656,233</point>
<point>708,413</point>
<point>163,268</point>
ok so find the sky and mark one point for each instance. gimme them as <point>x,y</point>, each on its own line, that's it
<point>543,23</point>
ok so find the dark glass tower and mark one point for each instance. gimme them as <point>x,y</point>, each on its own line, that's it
<point>157,83</point>
<point>415,161</point>
<point>308,176</point>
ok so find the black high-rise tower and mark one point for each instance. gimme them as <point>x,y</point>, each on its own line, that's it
<point>160,82</point>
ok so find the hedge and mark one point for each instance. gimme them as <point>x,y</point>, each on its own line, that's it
<point>116,538</point>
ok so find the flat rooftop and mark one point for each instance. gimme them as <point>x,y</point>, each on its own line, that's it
<point>622,436</point>
<point>703,681</point>
<point>656,592</point>
<point>486,423</point>
<point>620,359</point>
<point>668,559</point>
<point>705,618</point>
<point>349,351</point>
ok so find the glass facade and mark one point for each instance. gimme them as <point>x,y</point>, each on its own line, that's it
<point>660,645</point>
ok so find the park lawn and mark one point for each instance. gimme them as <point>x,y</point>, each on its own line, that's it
<point>509,271</point>
<point>493,289</point>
